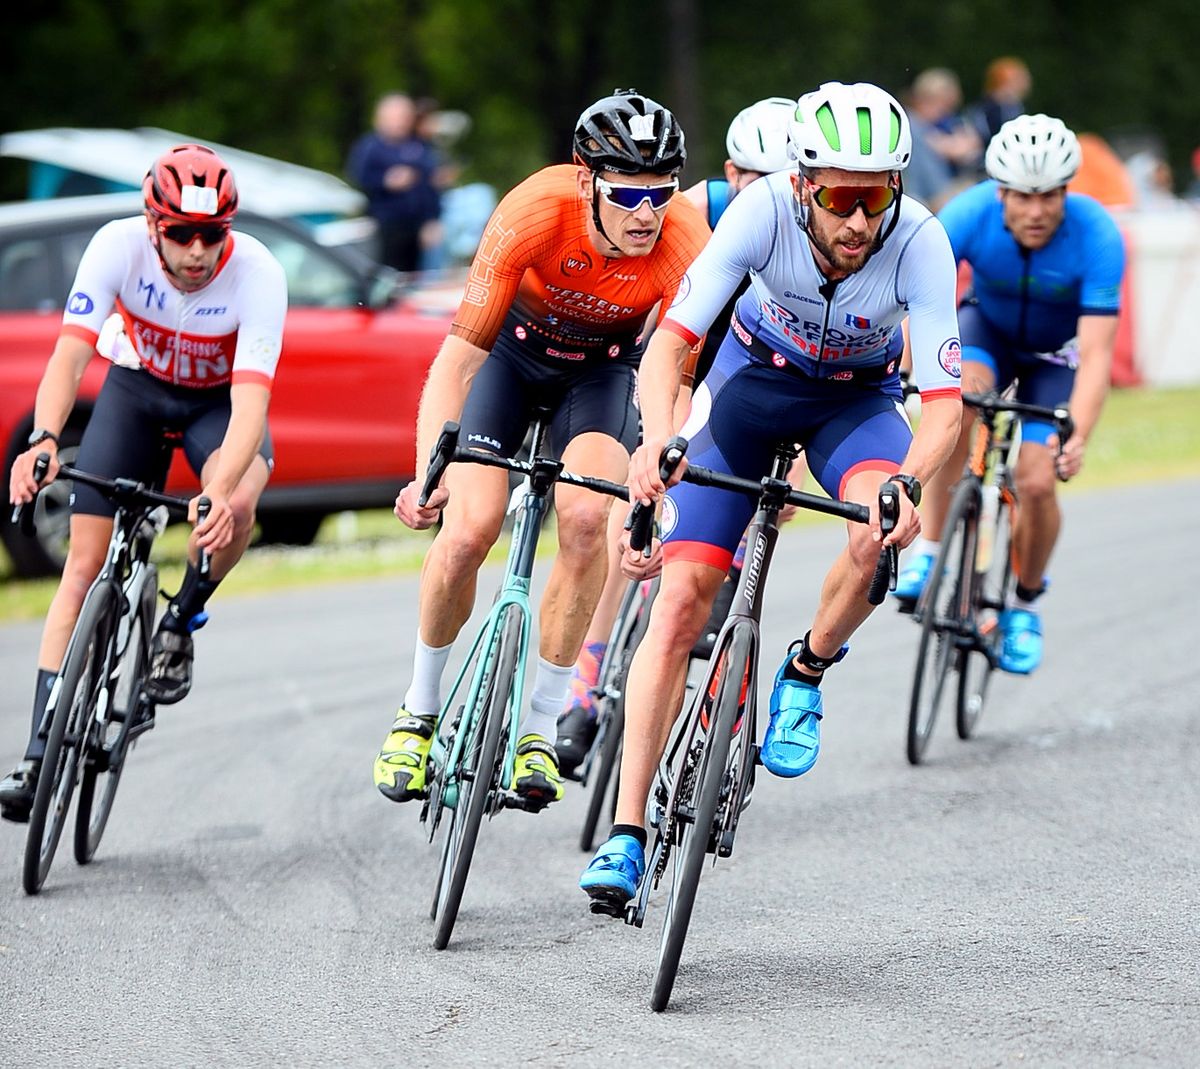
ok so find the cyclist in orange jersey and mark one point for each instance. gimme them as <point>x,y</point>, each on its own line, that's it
<point>570,265</point>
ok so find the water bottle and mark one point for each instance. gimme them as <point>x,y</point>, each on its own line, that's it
<point>989,509</point>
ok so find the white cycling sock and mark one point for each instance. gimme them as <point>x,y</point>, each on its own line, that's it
<point>550,683</point>
<point>424,697</point>
<point>924,546</point>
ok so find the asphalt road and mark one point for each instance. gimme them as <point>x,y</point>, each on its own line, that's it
<point>1027,898</point>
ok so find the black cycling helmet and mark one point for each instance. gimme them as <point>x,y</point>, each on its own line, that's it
<point>630,134</point>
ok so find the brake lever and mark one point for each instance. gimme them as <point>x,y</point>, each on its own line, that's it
<point>887,568</point>
<point>25,516</point>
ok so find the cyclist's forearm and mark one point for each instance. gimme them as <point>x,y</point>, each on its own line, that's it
<point>935,437</point>
<point>1090,391</point>
<point>445,392</point>
<point>243,437</point>
<point>60,383</point>
<point>658,383</point>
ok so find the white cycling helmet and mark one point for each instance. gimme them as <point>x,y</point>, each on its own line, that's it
<point>857,127</point>
<point>1033,154</point>
<point>758,136</point>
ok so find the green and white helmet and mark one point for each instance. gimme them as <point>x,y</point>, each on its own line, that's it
<point>857,127</point>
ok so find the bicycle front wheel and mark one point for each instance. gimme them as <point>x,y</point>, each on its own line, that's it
<point>477,773</point>
<point>991,593</point>
<point>697,837</point>
<point>105,756</point>
<point>74,711</point>
<point>944,613</point>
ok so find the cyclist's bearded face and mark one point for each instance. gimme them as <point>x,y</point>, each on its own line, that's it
<point>631,231</point>
<point>844,243</point>
<point>189,266</point>
<point>1033,218</point>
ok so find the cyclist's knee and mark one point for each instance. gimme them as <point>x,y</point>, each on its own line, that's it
<point>244,515</point>
<point>583,528</point>
<point>863,549</point>
<point>680,613</point>
<point>465,544</point>
<point>1036,484</point>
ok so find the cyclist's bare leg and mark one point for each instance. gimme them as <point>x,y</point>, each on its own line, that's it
<point>609,604</point>
<point>657,678</point>
<point>1039,517</point>
<point>582,564</point>
<point>471,524</point>
<point>89,545</point>
<point>244,502</point>
<point>935,500</point>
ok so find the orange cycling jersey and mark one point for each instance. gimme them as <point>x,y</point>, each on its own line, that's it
<point>536,258</point>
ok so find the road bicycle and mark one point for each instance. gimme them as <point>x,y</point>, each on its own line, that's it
<point>706,776</point>
<point>974,574</point>
<point>470,770</point>
<point>97,707</point>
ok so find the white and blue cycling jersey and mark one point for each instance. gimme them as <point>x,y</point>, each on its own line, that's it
<point>805,360</point>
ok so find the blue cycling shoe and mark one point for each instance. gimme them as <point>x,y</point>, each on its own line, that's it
<point>793,739</point>
<point>913,577</point>
<point>612,878</point>
<point>1021,651</point>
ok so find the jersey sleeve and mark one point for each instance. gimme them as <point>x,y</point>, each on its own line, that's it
<point>517,232</point>
<point>262,297</point>
<point>102,269</point>
<point>1104,260</point>
<point>740,243</point>
<point>925,283</point>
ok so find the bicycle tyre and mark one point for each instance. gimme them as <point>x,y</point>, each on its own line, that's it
<point>473,790</point>
<point>992,592</point>
<point>67,734</point>
<point>99,768</point>
<point>941,611</point>
<point>694,846</point>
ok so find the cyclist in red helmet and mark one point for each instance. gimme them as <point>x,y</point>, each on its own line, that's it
<point>190,313</point>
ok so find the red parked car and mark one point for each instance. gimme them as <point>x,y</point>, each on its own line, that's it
<point>357,346</point>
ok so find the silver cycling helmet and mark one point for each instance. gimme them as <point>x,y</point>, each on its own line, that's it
<point>1033,154</point>
<point>857,127</point>
<point>758,136</point>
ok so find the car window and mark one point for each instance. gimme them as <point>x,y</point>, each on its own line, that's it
<point>314,278</point>
<point>28,280</point>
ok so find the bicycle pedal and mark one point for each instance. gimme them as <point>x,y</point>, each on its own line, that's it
<point>906,606</point>
<point>608,904</point>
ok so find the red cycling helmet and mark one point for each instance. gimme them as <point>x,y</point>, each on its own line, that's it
<point>191,183</point>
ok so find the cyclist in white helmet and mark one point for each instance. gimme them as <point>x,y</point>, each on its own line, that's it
<point>1047,267</point>
<point>837,258</point>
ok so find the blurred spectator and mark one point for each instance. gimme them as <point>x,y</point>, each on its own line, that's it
<point>397,170</point>
<point>1006,84</point>
<point>1193,190</point>
<point>946,150</point>
<point>1153,181</point>
<point>1102,175</point>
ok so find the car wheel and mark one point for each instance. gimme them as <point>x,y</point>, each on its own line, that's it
<point>46,552</point>
<point>289,528</point>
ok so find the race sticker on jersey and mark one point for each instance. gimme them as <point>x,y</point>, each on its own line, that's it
<point>670,516</point>
<point>80,303</point>
<point>950,357</point>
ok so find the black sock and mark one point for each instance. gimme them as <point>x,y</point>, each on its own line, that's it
<point>41,695</point>
<point>792,672</point>
<point>1025,594</point>
<point>189,602</point>
<point>630,829</point>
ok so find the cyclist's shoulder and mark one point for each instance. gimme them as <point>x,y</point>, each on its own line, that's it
<point>550,187</point>
<point>684,225</point>
<point>121,234</point>
<point>978,203</point>
<point>1091,217</point>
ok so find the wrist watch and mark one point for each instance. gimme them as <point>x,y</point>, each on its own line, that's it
<point>40,435</point>
<point>912,487</point>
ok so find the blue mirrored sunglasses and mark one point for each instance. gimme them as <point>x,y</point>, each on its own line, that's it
<point>629,197</point>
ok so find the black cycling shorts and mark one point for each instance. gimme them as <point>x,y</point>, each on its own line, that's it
<point>594,395</point>
<point>125,437</point>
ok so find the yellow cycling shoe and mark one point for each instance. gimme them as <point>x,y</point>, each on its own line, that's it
<point>400,766</point>
<point>536,777</point>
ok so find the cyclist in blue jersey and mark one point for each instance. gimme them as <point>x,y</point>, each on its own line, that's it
<point>758,145</point>
<point>1047,267</point>
<point>837,259</point>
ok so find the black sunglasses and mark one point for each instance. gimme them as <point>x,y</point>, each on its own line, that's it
<point>185,233</point>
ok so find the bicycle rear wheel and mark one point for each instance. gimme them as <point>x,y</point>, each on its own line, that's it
<point>944,613</point>
<point>476,773</point>
<point>992,593</point>
<point>73,712</point>
<point>105,756</point>
<point>697,837</point>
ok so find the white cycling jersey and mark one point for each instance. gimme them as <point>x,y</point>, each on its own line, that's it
<point>808,321</point>
<point>230,330</point>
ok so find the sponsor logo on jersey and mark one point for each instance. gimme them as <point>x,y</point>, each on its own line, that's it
<point>521,333</point>
<point>79,303</point>
<point>566,356</point>
<point>670,516</point>
<point>950,357</point>
<point>153,296</point>
<point>685,287</point>
<point>858,322</point>
<point>800,297</point>
<point>626,278</point>
<point>483,439</point>
<point>614,351</point>
<point>215,311</point>
<point>743,335</point>
<point>842,376</point>
<point>779,360</point>
<point>575,263</point>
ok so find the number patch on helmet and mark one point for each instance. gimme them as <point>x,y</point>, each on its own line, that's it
<point>642,127</point>
<point>198,200</point>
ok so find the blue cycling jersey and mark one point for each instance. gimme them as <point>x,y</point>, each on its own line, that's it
<point>1033,299</point>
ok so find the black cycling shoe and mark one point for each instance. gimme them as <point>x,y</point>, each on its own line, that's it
<point>703,648</point>
<point>576,733</point>
<point>17,790</point>
<point>170,675</point>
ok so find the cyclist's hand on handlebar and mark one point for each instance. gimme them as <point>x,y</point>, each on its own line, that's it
<point>645,480</point>
<point>22,487</point>
<point>1068,462</point>
<point>634,562</point>
<point>409,510</point>
<point>216,532</point>
<point>908,526</point>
